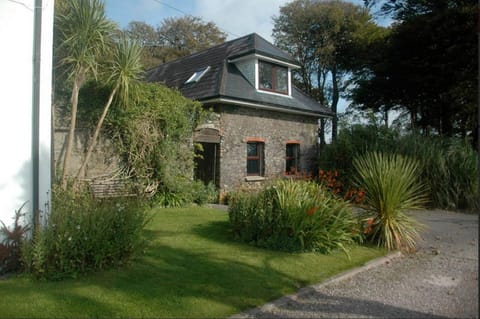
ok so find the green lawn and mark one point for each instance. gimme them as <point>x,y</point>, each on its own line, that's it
<point>191,268</point>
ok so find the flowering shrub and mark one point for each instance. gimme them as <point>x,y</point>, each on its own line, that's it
<point>85,234</point>
<point>330,180</point>
<point>294,216</point>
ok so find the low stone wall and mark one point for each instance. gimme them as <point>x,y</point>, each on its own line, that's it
<point>104,160</point>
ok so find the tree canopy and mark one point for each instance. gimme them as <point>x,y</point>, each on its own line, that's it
<point>174,38</point>
<point>327,38</point>
<point>427,66</point>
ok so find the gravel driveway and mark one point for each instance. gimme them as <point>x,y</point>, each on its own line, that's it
<point>439,281</point>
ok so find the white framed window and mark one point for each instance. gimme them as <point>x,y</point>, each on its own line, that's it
<point>273,78</point>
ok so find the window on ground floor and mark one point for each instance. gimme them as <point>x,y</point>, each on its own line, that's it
<point>255,158</point>
<point>292,153</point>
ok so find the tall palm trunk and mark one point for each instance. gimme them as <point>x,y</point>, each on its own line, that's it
<point>77,84</point>
<point>96,133</point>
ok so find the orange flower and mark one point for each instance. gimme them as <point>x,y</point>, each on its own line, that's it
<point>367,230</point>
<point>311,211</point>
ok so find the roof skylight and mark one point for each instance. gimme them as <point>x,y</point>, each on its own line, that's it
<point>197,75</point>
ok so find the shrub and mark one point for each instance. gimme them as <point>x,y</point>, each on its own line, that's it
<point>187,193</point>
<point>10,247</point>
<point>353,141</point>
<point>204,194</point>
<point>85,234</point>
<point>154,137</point>
<point>294,216</point>
<point>331,181</point>
<point>392,188</point>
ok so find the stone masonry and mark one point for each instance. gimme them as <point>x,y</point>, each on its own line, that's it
<point>239,123</point>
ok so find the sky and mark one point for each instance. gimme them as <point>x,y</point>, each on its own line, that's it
<point>234,17</point>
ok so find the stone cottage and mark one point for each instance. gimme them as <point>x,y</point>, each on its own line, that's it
<point>264,126</point>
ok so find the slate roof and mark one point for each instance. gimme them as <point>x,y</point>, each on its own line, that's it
<point>223,81</point>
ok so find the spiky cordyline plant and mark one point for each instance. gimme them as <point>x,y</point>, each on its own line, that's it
<point>392,189</point>
<point>83,32</point>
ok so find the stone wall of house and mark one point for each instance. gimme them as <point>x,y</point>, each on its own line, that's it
<point>237,124</point>
<point>104,160</point>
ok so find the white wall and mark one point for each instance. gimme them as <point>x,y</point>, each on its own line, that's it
<point>17,86</point>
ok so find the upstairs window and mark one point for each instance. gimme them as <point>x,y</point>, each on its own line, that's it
<point>272,77</point>
<point>291,158</point>
<point>255,158</point>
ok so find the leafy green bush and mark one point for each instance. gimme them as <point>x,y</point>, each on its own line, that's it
<point>392,188</point>
<point>294,216</point>
<point>154,136</point>
<point>187,193</point>
<point>204,194</point>
<point>85,234</point>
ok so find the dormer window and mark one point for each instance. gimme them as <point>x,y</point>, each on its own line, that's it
<point>272,77</point>
<point>197,75</point>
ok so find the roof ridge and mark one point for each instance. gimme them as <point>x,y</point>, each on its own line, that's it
<point>226,43</point>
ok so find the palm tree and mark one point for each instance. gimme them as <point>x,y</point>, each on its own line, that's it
<point>124,71</point>
<point>83,31</point>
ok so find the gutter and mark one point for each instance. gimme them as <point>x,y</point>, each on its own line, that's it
<point>263,107</point>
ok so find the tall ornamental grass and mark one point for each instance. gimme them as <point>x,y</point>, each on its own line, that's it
<point>293,216</point>
<point>392,190</point>
<point>447,166</point>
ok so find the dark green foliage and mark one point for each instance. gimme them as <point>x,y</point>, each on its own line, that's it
<point>428,66</point>
<point>84,234</point>
<point>12,239</point>
<point>92,97</point>
<point>448,166</point>
<point>293,216</point>
<point>353,141</point>
<point>154,137</point>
